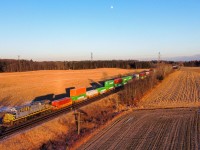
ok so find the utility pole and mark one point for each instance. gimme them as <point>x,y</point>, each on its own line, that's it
<point>78,121</point>
<point>19,63</point>
<point>91,56</point>
<point>159,56</point>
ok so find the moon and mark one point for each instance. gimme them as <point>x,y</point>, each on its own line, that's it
<point>111,7</point>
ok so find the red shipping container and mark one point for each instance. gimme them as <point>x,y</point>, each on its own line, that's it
<point>142,74</point>
<point>62,102</point>
<point>118,81</point>
<point>77,92</point>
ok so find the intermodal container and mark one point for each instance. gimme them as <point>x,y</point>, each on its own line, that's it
<point>102,90</point>
<point>110,87</point>
<point>77,92</point>
<point>124,80</point>
<point>79,97</point>
<point>129,78</point>
<point>136,76</point>
<point>92,93</point>
<point>142,75</point>
<point>62,102</point>
<point>109,83</point>
<point>118,81</point>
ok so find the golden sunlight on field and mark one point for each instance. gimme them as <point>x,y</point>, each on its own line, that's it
<point>18,88</point>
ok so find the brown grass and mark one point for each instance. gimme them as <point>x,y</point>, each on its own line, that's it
<point>18,88</point>
<point>35,137</point>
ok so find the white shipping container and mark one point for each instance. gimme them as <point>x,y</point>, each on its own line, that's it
<point>92,93</point>
<point>137,76</point>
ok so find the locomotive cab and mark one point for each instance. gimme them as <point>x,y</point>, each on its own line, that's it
<point>8,118</point>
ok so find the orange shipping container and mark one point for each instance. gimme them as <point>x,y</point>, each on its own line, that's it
<point>62,102</point>
<point>77,92</point>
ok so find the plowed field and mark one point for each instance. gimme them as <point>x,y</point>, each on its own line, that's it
<point>180,89</point>
<point>151,129</point>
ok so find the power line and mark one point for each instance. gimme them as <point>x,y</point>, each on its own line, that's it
<point>19,63</point>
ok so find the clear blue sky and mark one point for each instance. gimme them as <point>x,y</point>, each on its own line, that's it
<point>111,29</point>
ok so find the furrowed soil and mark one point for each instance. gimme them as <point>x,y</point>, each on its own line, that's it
<point>151,129</point>
<point>19,88</point>
<point>180,89</point>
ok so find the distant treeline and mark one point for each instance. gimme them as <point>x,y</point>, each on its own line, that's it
<point>11,65</point>
<point>195,63</point>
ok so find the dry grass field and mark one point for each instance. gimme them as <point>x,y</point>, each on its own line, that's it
<point>180,89</point>
<point>150,129</point>
<point>18,88</point>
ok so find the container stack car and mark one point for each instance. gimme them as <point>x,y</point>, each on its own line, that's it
<point>136,76</point>
<point>78,94</point>
<point>129,78</point>
<point>92,93</point>
<point>109,85</point>
<point>118,82</point>
<point>64,102</point>
<point>102,90</point>
<point>126,79</point>
<point>142,75</point>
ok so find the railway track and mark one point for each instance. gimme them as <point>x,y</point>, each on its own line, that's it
<point>41,119</point>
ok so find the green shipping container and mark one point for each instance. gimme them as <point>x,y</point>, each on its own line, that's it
<point>80,97</point>
<point>117,85</point>
<point>102,90</point>
<point>110,87</point>
<point>109,83</point>
<point>124,80</point>
<point>129,78</point>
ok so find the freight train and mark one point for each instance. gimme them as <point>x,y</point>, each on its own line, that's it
<point>20,114</point>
